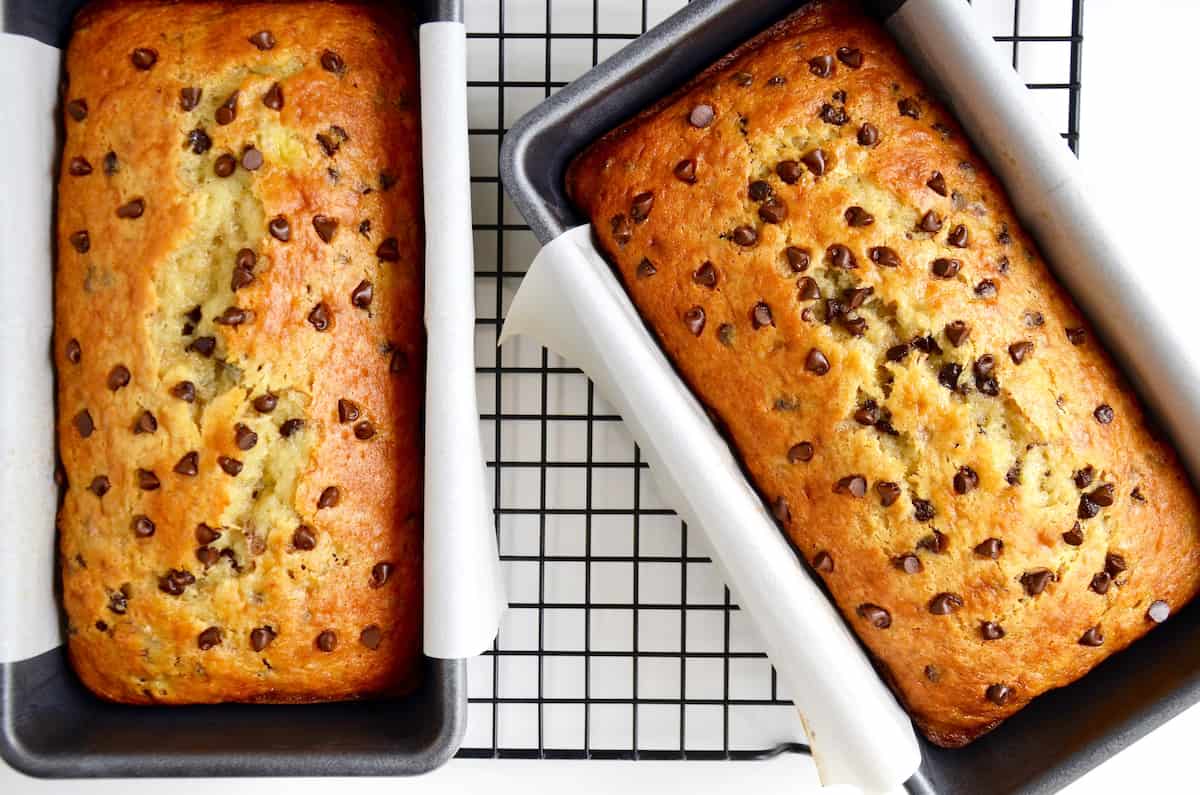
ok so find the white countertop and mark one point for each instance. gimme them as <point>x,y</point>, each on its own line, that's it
<point>1139,113</point>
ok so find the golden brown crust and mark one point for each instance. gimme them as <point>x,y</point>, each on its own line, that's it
<point>1021,437</point>
<point>342,145</point>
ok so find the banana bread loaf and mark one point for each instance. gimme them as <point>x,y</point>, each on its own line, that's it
<point>240,351</point>
<point>841,280</point>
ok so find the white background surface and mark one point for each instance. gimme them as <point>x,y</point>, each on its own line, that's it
<point>1140,109</point>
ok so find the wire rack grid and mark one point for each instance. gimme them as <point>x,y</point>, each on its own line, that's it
<point>620,641</point>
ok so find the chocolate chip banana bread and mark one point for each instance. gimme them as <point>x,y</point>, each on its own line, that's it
<point>843,283</point>
<point>240,351</point>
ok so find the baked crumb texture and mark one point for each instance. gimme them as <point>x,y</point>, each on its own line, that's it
<point>842,281</point>
<point>240,353</point>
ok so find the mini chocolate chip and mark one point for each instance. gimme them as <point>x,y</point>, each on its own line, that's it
<point>1114,564</point>
<point>77,109</point>
<point>639,210</point>
<point>332,62</point>
<point>985,381</point>
<point>362,295</point>
<point>206,535</point>
<point>989,630</point>
<point>745,236</point>
<point>926,344</point>
<point>290,427</point>
<point>867,413</point>
<point>936,542</point>
<point>325,227</point>
<point>908,563</point>
<point>320,317</point>
<point>142,526</point>
<point>808,289</point>
<point>1100,582</point>
<point>965,480</point>
<point>231,466</point>
<point>851,56</point>
<point>909,107</point>
<point>959,237</point>
<point>854,485</point>
<point>1103,414</point>
<point>265,403</point>
<point>81,241</point>
<point>371,636</point>
<point>330,496</point>
<point>380,573</point>
<point>776,80</point>
<point>857,216</point>
<point>134,208</point>
<point>759,190</point>
<point>198,140</point>
<point>923,510</point>
<point>1158,611</point>
<point>243,437</point>
<point>725,334</point>
<point>743,79</point>
<point>304,538</point>
<point>118,377</point>
<point>856,326</point>
<point>897,353</point>
<point>175,581</point>
<point>99,485</point>
<point>1087,507</point>
<point>888,492</point>
<point>225,165</point>
<point>876,615</point>
<point>364,430</point>
<point>273,99</point>
<point>1033,319</point>
<point>868,135</point>
<point>838,256</point>
<point>1020,350</point>
<point>327,641</point>
<point>685,171</point>
<point>789,170</point>
<point>821,65</point>
<point>986,289</point>
<point>1104,495</point>
<point>705,275</point>
<point>185,391</point>
<point>347,410</point>
<point>780,510</point>
<point>999,694</point>
<point>364,228</point>
<point>815,161</point>
<point>146,423</point>
<point>227,112</point>
<point>73,351</point>
<point>930,222</point>
<point>798,258</point>
<point>232,316</point>
<point>834,114</point>
<point>1074,536</point>
<point>946,268</point>
<point>389,250</point>
<point>773,210</point>
<point>1137,495</point>
<point>884,257</point>
<point>189,98</point>
<point>147,480</point>
<point>956,332</point>
<point>948,375</point>
<point>79,167</point>
<point>209,638</point>
<point>1076,336</point>
<point>802,451</point>
<point>937,183</point>
<point>263,40</point>
<point>1036,580</point>
<point>280,229</point>
<point>816,362</point>
<point>701,116</point>
<point>834,309</point>
<point>822,562</point>
<point>990,548</point>
<point>252,159</point>
<point>646,269</point>
<point>143,58</point>
<point>261,637</point>
<point>1093,637</point>
<point>932,673</point>
<point>694,320</point>
<point>945,603</point>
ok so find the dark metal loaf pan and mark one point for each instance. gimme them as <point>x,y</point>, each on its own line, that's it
<point>1062,734</point>
<point>51,726</point>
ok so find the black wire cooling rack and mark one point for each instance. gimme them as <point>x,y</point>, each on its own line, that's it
<point>620,641</point>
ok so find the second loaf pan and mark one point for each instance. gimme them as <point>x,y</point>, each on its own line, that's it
<point>52,726</point>
<point>1063,733</point>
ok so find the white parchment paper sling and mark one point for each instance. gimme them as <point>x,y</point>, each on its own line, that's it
<point>464,595</point>
<point>571,302</point>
